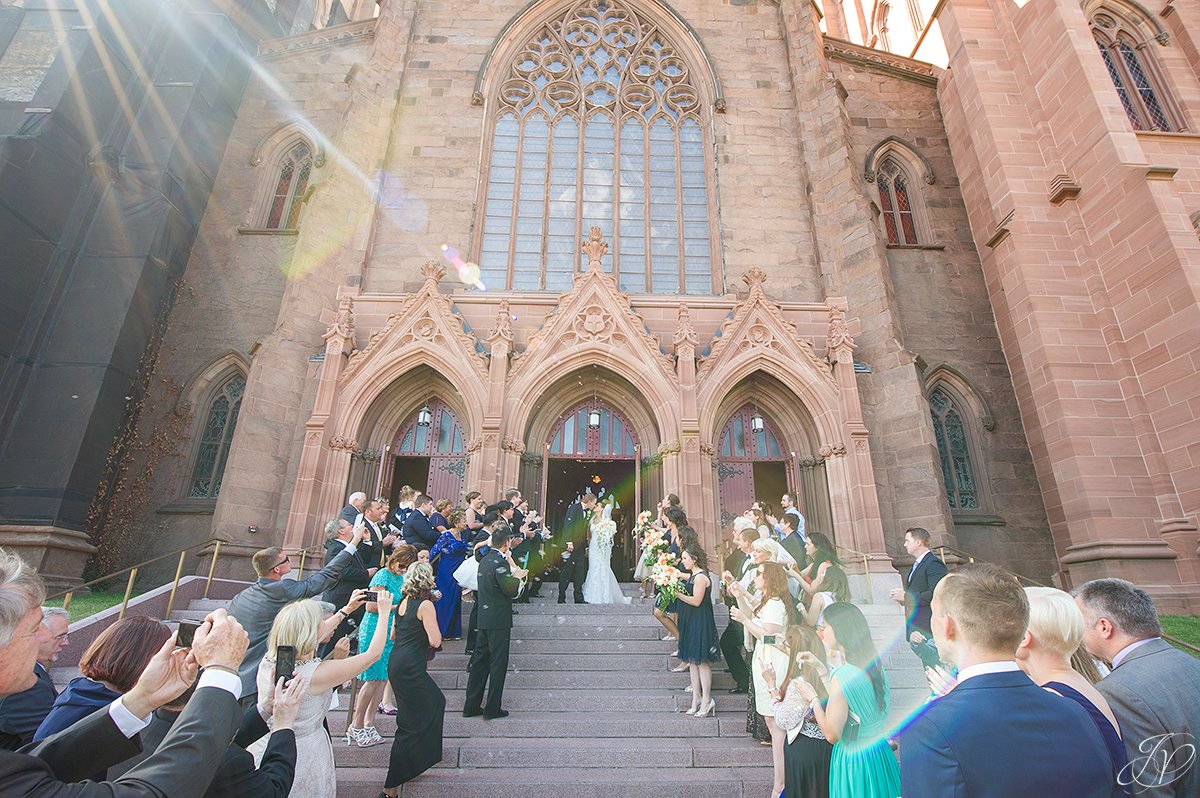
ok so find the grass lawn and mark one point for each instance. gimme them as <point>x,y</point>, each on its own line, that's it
<point>97,600</point>
<point>1185,627</point>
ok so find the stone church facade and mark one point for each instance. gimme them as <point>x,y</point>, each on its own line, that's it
<point>724,250</point>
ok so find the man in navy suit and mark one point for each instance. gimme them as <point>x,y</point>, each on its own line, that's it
<point>917,593</point>
<point>418,531</point>
<point>997,734</point>
<point>22,713</point>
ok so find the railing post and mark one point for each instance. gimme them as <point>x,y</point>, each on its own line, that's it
<point>300,574</point>
<point>353,699</point>
<point>128,593</point>
<point>67,599</point>
<point>867,571</point>
<point>212,567</point>
<point>175,584</point>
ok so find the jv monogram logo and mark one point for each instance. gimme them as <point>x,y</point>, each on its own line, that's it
<point>1166,760</point>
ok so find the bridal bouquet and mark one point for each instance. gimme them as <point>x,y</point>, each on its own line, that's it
<point>668,580</point>
<point>653,537</point>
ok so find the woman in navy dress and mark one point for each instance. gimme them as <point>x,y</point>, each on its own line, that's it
<point>438,519</point>
<point>1055,632</point>
<point>448,553</point>
<point>698,642</point>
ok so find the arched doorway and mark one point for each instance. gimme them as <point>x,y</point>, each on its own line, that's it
<point>595,447</point>
<point>429,454</point>
<point>752,463</point>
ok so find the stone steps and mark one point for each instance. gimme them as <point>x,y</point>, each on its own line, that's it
<point>594,706</point>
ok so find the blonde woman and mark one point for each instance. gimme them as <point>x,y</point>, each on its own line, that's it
<point>1054,634</point>
<point>420,705</point>
<point>299,625</point>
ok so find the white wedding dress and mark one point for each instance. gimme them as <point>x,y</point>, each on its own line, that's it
<point>601,585</point>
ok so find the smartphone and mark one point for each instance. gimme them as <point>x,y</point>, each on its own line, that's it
<point>768,640</point>
<point>187,632</point>
<point>371,595</point>
<point>285,663</point>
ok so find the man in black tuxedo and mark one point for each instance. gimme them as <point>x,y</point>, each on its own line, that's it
<point>418,531</point>
<point>499,584</point>
<point>184,765</point>
<point>353,577</point>
<point>528,554</point>
<point>513,497</point>
<point>571,546</point>
<point>22,713</point>
<point>917,593</point>
<point>737,565</point>
<point>377,543</point>
<point>237,776</point>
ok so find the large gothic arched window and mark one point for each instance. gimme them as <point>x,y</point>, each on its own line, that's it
<point>291,181</point>
<point>598,123</point>
<point>215,439</point>
<point>895,203</point>
<point>1133,72</point>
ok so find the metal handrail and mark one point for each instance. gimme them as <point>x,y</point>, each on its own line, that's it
<point>68,595</point>
<point>866,560</point>
<point>971,558</point>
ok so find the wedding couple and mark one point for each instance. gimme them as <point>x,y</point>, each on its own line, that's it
<point>585,554</point>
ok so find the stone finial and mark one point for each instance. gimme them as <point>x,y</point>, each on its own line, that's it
<point>839,331</point>
<point>343,322</point>
<point>433,271</point>
<point>685,333</point>
<point>594,248</point>
<point>503,330</point>
<point>754,278</point>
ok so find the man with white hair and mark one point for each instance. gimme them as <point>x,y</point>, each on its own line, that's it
<point>182,767</point>
<point>354,507</point>
<point>21,714</point>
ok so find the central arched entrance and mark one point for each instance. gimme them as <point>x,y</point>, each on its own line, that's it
<point>428,454</point>
<point>595,447</point>
<point>752,463</point>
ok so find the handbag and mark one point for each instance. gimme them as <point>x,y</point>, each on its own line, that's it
<point>852,727</point>
<point>467,574</point>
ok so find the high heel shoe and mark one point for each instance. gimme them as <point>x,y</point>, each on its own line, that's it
<point>694,709</point>
<point>704,713</point>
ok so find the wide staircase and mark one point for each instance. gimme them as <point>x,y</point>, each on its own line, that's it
<point>596,711</point>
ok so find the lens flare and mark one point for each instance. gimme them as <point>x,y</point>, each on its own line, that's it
<point>467,273</point>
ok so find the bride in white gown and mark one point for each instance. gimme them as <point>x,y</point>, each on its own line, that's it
<point>601,586</point>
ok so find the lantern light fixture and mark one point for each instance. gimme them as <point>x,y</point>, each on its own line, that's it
<point>756,422</point>
<point>424,416</point>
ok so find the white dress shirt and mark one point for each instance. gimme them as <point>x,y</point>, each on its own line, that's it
<point>130,724</point>
<point>1005,666</point>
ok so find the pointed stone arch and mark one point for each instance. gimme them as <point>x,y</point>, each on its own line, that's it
<point>964,388</point>
<point>538,12</point>
<point>216,370</point>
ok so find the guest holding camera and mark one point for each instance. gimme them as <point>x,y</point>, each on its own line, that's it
<point>855,717</point>
<point>806,757</point>
<point>766,621</point>
<point>299,627</point>
<point>362,730</point>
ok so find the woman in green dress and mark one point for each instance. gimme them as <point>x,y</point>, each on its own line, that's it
<point>362,731</point>
<point>855,717</point>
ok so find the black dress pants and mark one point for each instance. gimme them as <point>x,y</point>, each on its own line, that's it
<point>572,570</point>
<point>735,655</point>
<point>489,667</point>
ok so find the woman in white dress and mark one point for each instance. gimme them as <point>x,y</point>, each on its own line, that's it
<point>601,585</point>
<point>299,625</point>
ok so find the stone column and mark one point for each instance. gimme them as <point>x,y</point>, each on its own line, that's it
<point>854,266</point>
<point>1089,259</point>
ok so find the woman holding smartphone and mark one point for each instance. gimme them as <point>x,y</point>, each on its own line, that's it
<point>766,621</point>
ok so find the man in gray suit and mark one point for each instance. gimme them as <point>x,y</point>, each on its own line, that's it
<point>1153,689</point>
<point>256,606</point>
<point>183,765</point>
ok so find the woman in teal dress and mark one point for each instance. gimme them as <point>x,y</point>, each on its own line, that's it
<point>362,731</point>
<point>862,764</point>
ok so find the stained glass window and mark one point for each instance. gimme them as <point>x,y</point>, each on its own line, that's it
<point>1128,64</point>
<point>215,438</point>
<point>599,125</point>
<point>894,202</point>
<point>611,438</point>
<point>294,170</point>
<point>957,470</point>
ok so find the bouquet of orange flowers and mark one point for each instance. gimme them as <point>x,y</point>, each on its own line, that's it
<point>653,537</point>
<point>668,580</point>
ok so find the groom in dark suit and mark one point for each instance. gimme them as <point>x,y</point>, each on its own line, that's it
<point>572,546</point>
